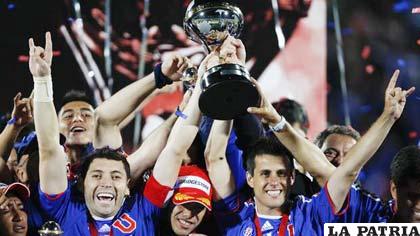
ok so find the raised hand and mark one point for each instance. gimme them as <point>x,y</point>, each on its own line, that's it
<point>233,51</point>
<point>266,111</point>
<point>395,98</point>
<point>173,67</point>
<point>40,58</point>
<point>22,110</point>
<point>209,61</point>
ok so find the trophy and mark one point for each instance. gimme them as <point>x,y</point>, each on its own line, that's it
<point>50,228</point>
<point>227,90</point>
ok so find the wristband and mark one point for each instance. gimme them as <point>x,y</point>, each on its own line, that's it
<point>179,113</point>
<point>160,79</point>
<point>43,91</point>
<point>279,127</point>
<point>11,121</point>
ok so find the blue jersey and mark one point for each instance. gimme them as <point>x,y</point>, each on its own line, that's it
<point>137,216</point>
<point>307,216</point>
<point>36,218</point>
<point>365,207</point>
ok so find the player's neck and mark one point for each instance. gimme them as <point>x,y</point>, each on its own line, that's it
<point>74,152</point>
<point>263,211</point>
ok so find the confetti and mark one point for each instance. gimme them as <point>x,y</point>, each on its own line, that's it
<point>365,52</point>
<point>369,69</point>
<point>23,58</point>
<point>401,62</point>
<point>412,134</point>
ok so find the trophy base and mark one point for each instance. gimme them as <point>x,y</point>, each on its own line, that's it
<point>227,92</point>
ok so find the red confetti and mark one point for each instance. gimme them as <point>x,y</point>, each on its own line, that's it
<point>369,69</point>
<point>415,10</point>
<point>23,58</point>
<point>412,134</point>
<point>365,52</point>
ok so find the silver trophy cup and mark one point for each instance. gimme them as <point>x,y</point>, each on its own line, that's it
<point>227,88</point>
<point>50,228</point>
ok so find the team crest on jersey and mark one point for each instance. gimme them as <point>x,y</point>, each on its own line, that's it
<point>248,231</point>
<point>125,224</point>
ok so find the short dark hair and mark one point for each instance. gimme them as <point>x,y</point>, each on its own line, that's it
<point>267,145</point>
<point>293,111</point>
<point>406,165</point>
<point>104,153</point>
<point>336,129</point>
<point>76,96</point>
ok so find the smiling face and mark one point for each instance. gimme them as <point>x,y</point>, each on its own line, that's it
<point>105,186</point>
<point>186,217</point>
<point>76,122</point>
<point>13,219</point>
<point>271,183</point>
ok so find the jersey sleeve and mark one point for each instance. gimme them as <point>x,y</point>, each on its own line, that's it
<point>156,193</point>
<point>55,205</point>
<point>320,208</point>
<point>365,207</point>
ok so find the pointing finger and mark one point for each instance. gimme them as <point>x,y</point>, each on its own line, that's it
<point>393,80</point>
<point>48,42</point>
<point>31,46</point>
<point>48,47</point>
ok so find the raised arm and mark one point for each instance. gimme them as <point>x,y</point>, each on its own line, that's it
<point>181,137</point>
<point>345,174</point>
<point>305,152</point>
<point>217,166</point>
<point>21,116</point>
<point>146,155</point>
<point>52,158</point>
<point>113,111</point>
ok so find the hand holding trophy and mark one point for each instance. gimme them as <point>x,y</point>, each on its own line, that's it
<point>227,88</point>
